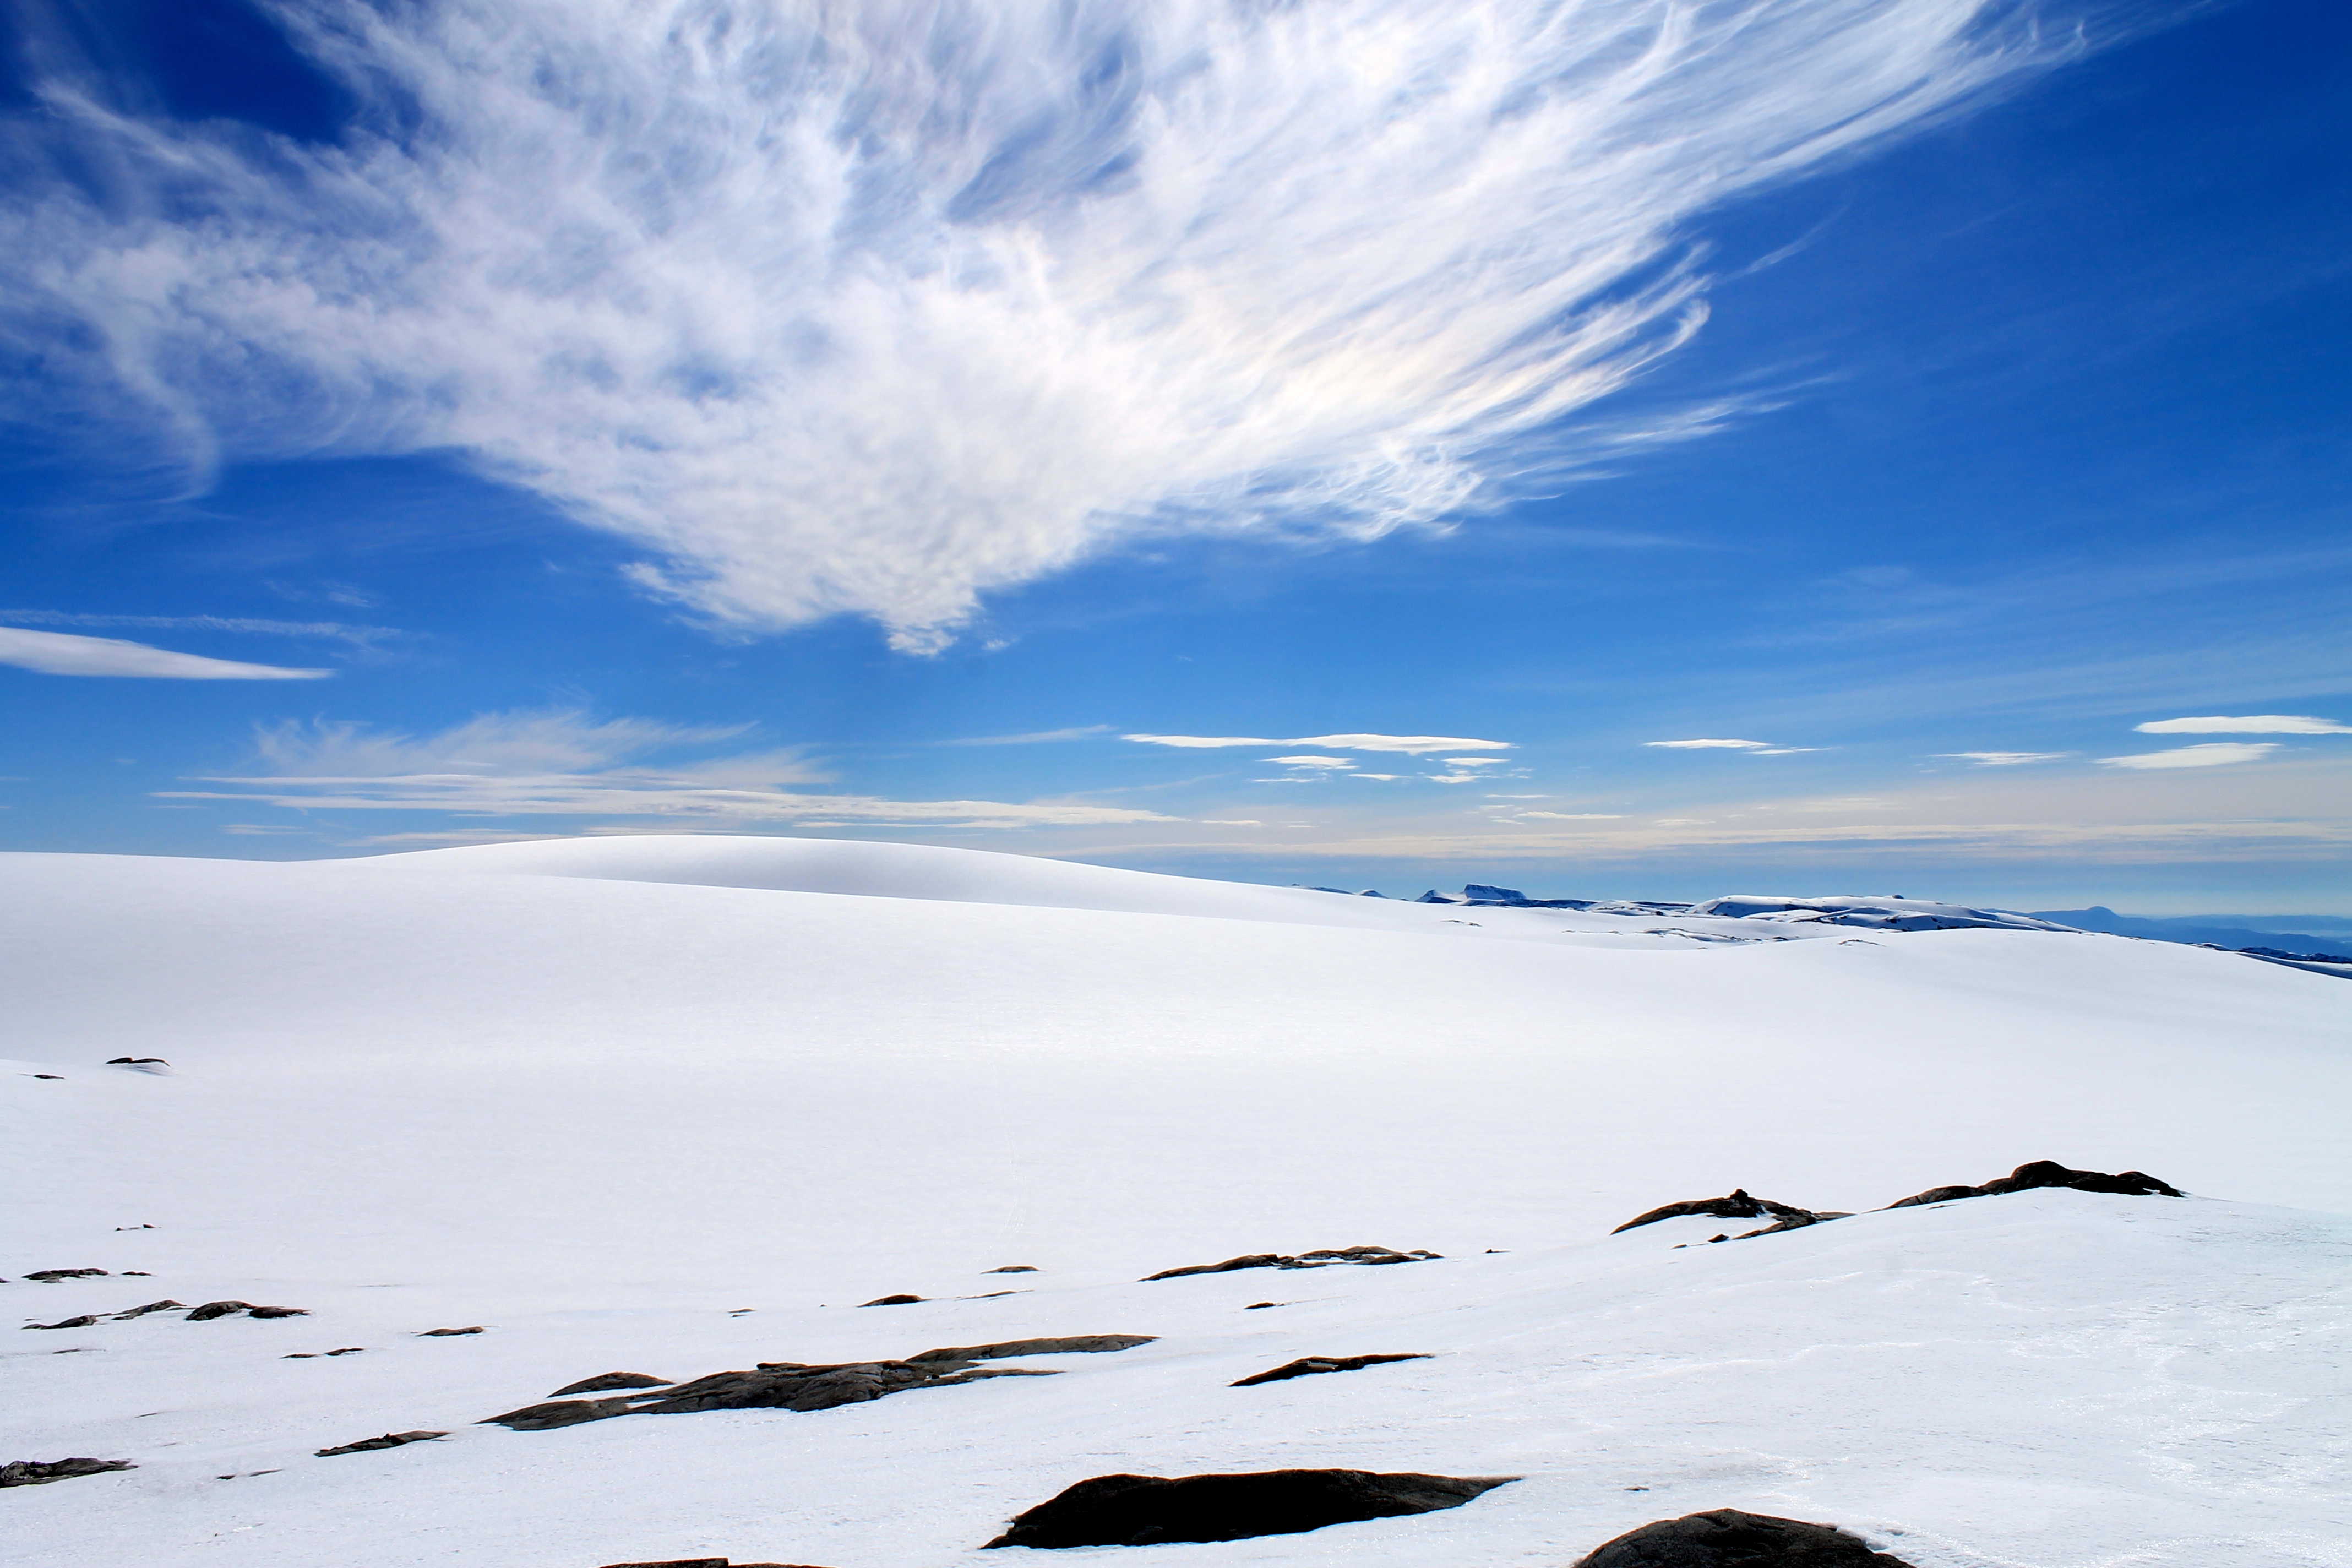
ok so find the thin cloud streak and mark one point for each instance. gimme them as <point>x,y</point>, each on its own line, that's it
<point>2252,724</point>
<point>63,653</point>
<point>1414,744</point>
<point>2213,755</point>
<point>565,763</point>
<point>874,308</point>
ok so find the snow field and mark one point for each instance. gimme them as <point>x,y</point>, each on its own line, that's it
<point>597,1113</point>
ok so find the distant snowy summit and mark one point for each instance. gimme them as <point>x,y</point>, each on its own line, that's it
<point>1889,911</point>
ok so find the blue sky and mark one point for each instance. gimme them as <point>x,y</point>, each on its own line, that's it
<point>431,424</point>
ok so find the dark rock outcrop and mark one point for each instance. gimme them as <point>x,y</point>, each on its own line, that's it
<point>389,1440</point>
<point>609,1381</point>
<point>704,1562</point>
<point>1307,1365</point>
<point>1076,1344</point>
<point>900,1300</point>
<point>1015,1269</point>
<point>2047,1174</point>
<point>137,1062</point>
<point>211,1309</point>
<point>1324,1259</point>
<point>1726,1538</point>
<point>151,1306</point>
<point>447,1333</point>
<point>41,1472</point>
<point>81,1322</point>
<point>51,1276</point>
<point>1149,1511</point>
<point>314,1355</point>
<point>775,1386</point>
<point>1737,1205</point>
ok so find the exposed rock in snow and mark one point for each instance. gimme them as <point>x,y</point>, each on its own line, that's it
<point>1150,1510</point>
<point>1307,1365</point>
<point>40,1472</point>
<point>449,1334</point>
<point>1727,1537</point>
<point>900,1300</point>
<point>151,1306</point>
<point>314,1355</point>
<point>51,1276</point>
<point>1737,1204</point>
<point>211,1309</point>
<point>2047,1174</point>
<point>81,1322</point>
<point>389,1440</point>
<point>1015,1269</point>
<point>609,1381</point>
<point>144,1064</point>
<point>1076,1344</point>
<point>1322,1259</point>
<point>775,1386</point>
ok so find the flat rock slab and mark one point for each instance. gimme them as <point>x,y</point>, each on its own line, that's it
<point>211,1309</point>
<point>2047,1174</point>
<point>1736,1205</point>
<point>898,1300</point>
<point>1306,1366</point>
<point>1727,1537</point>
<point>81,1322</point>
<point>41,1472</point>
<point>51,1276</point>
<point>1322,1259</point>
<point>774,1386</point>
<point>1150,1511</point>
<point>606,1382</point>
<point>389,1440</point>
<point>1079,1344</point>
<point>447,1333</point>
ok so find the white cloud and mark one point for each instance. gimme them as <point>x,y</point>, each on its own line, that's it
<point>2213,755</point>
<point>1473,762</point>
<point>1713,745</point>
<point>2252,724</point>
<point>2003,759</point>
<point>1382,778</point>
<point>1415,744</point>
<point>560,762</point>
<point>62,653</point>
<point>1313,762</point>
<point>1232,822</point>
<point>875,307</point>
<point>1782,750</point>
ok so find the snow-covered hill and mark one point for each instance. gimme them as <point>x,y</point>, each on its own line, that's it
<point>599,1097</point>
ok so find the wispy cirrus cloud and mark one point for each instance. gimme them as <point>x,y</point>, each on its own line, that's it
<point>64,653</point>
<point>2251,724</point>
<point>364,638</point>
<point>562,763</point>
<point>1412,744</point>
<point>2002,759</point>
<point>1713,745</point>
<point>872,308</point>
<point>2213,755</point>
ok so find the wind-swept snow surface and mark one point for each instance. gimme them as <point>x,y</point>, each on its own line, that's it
<point>623,1117</point>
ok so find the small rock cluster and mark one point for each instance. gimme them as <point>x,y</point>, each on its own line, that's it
<point>1324,1259</point>
<point>1739,1205</point>
<point>799,1385</point>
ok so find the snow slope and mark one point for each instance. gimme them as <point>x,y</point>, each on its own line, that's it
<point>598,1095</point>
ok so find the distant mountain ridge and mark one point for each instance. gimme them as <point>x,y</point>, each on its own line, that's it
<point>2199,928</point>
